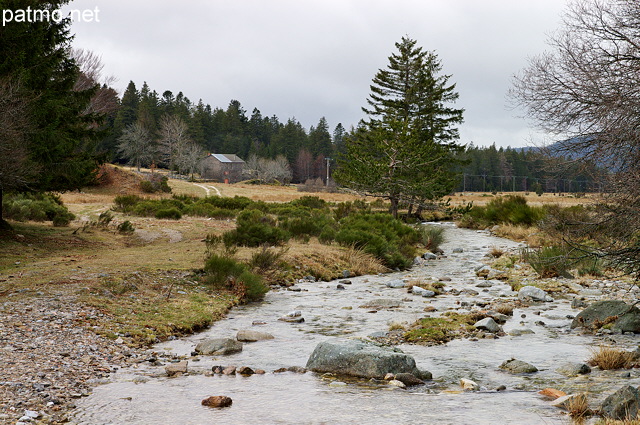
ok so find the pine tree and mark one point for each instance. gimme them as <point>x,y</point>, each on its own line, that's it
<point>61,134</point>
<point>406,149</point>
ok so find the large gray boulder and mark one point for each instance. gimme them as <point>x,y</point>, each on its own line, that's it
<point>361,359</point>
<point>248,335</point>
<point>533,293</point>
<point>218,346</point>
<point>623,404</point>
<point>515,367</point>
<point>624,317</point>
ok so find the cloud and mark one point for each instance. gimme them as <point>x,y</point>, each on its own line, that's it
<point>311,58</point>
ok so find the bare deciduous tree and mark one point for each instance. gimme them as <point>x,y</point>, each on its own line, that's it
<point>190,157</point>
<point>136,145</point>
<point>16,170</point>
<point>105,99</point>
<point>173,140</point>
<point>268,170</point>
<point>587,90</point>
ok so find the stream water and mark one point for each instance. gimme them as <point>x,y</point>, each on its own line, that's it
<point>144,395</point>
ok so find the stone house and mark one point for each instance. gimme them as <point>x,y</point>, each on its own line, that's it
<point>226,168</point>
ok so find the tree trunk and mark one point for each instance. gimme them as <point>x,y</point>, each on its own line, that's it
<point>4,225</point>
<point>393,209</point>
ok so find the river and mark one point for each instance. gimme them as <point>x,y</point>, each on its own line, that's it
<point>144,395</point>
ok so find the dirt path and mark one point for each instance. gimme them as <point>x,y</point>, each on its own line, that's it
<point>208,188</point>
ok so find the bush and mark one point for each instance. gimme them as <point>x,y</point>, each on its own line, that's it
<point>345,209</point>
<point>155,183</point>
<point>512,209</point>
<point>381,235</point>
<point>431,237</point>
<point>226,273</point>
<point>310,202</point>
<point>267,258</point>
<point>306,226</point>
<point>126,203</point>
<point>171,213</point>
<point>201,209</point>
<point>550,261</point>
<point>125,227</point>
<point>254,228</point>
<point>36,207</point>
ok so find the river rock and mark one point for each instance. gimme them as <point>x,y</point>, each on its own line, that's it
<point>245,370</point>
<point>176,368</point>
<point>252,336</point>
<point>396,283</point>
<point>573,369</point>
<point>533,293</point>
<point>218,346</point>
<point>381,303</point>
<point>469,385</point>
<point>488,324</point>
<point>520,331</point>
<point>217,401</point>
<point>622,404</point>
<point>360,359</point>
<point>397,383</point>
<point>422,292</point>
<point>292,317</point>
<point>552,393</point>
<point>409,379</point>
<point>515,366</point>
<point>602,312</point>
<point>429,256</point>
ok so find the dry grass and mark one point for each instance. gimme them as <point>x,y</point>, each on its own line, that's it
<point>578,406</point>
<point>496,252</point>
<point>610,358</point>
<point>531,235</point>
<point>619,422</point>
<point>480,198</point>
<point>506,309</point>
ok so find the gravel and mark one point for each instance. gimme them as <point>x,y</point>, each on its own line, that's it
<point>49,357</point>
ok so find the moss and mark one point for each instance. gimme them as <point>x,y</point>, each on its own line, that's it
<point>439,330</point>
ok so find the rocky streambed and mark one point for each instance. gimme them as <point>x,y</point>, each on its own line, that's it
<point>257,356</point>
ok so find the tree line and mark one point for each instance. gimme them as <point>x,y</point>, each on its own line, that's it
<point>145,115</point>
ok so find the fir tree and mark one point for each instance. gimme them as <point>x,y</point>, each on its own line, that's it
<point>405,151</point>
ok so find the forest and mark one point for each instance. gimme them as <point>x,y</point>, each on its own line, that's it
<point>234,130</point>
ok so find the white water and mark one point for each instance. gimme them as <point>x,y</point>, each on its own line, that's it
<point>144,396</point>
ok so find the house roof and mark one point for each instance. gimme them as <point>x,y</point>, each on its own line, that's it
<point>227,157</point>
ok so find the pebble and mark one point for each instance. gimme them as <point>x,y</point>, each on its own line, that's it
<point>73,360</point>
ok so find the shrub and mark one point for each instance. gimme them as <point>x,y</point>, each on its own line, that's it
<point>266,258</point>
<point>254,228</point>
<point>171,213</point>
<point>310,202</point>
<point>327,235</point>
<point>381,235</point>
<point>345,209</point>
<point>201,209</point>
<point>431,237</point>
<point>36,207</point>
<point>550,261</point>
<point>155,183</point>
<point>126,203</point>
<point>226,273</point>
<point>125,227</point>
<point>306,226</point>
<point>512,209</point>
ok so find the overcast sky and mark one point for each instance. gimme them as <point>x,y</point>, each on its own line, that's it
<point>312,58</point>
